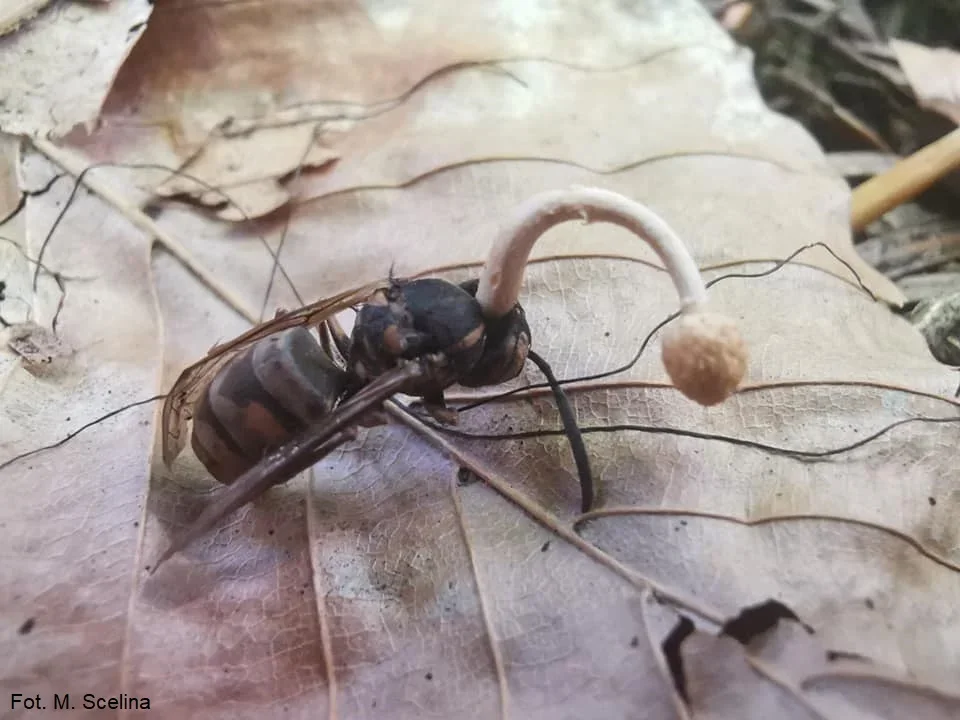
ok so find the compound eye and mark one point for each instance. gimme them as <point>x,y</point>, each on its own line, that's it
<point>505,351</point>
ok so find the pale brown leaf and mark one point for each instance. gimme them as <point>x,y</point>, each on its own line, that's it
<point>15,12</point>
<point>72,518</point>
<point>789,671</point>
<point>934,75</point>
<point>418,574</point>
<point>243,174</point>
<point>59,66</point>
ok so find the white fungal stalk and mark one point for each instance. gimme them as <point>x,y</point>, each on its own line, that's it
<point>702,351</point>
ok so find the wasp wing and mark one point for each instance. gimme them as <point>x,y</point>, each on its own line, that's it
<point>296,455</point>
<point>178,406</point>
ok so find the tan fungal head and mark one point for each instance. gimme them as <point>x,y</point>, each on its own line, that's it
<point>702,351</point>
<point>705,356</point>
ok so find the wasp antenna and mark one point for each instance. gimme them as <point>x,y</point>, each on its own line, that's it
<point>572,430</point>
<point>703,352</point>
<point>391,275</point>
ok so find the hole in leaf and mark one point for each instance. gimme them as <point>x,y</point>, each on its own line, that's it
<point>758,619</point>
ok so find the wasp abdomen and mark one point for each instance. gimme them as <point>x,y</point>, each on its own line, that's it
<point>262,399</point>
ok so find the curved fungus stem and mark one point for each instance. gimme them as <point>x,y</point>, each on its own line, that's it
<point>702,351</point>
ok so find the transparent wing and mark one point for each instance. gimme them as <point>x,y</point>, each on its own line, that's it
<point>178,407</point>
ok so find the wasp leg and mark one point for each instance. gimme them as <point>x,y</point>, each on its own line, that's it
<point>572,430</point>
<point>436,406</point>
<point>333,332</point>
<point>296,455</point>
<point>250,485</point>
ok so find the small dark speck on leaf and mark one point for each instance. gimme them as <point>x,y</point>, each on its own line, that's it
<point>270,531</point>
<point>932,501</point>
<point>429,676</point>
<point>146,567</point>
<point>465,476</point>
<point>134,28</point>
<point>607,334</point>
<point>634,641</point>
<point>136,523</point>
<point>683,522</point>
<point>545,546</point>
<point>834,655</point>
<point>869,603</point>
<point>27,626</point>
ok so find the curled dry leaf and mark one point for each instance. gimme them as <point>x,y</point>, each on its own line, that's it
<point>59,66</point>
<point>418,572</point>
<point>296,88</point>
<point>39,349</point>
<point>934,75</point>
<point>12,14</point>
<point>242,176</point>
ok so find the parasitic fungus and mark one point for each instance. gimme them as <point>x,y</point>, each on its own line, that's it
<point>702,351</point>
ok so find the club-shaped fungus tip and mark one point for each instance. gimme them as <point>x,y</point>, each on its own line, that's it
<point>704,355</point>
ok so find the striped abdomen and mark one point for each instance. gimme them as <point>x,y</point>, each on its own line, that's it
<point>262,399</point>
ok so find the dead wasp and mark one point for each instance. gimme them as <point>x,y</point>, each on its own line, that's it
<point>272,402</point>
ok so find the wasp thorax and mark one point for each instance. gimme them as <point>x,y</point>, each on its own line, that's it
<point>417,318</point>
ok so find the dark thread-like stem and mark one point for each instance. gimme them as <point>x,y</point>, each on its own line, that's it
<point>572,431</point>
<point>79,178</point>
<point>80,429</point>
<point>808,455</point>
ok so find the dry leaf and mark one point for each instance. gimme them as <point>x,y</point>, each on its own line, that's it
<point>220,173</point>
<point>60,65</point>
<point>788,671</point>
<point>422,575</point>
<point>295,87</point>
<point>934,75</point>
<point>15,12</point>
<point>36,346</point>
